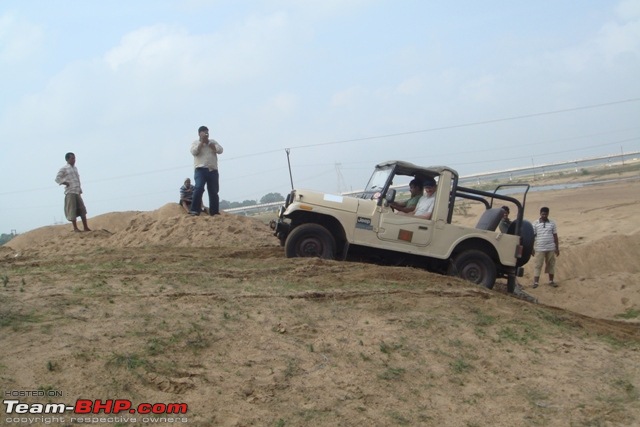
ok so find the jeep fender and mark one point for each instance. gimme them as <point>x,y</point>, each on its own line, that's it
<point>474,243</point>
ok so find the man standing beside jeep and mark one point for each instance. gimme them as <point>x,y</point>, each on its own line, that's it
<point>205,161</point>
<point>546,247</point>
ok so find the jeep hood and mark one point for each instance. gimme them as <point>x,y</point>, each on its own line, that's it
<point>319,200</point>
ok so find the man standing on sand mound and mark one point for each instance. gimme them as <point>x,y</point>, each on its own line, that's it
<point>73,203</point>
<point>205,161</point>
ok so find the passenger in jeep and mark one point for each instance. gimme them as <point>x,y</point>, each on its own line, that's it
<point>407,207</point>
<point>424,209</point>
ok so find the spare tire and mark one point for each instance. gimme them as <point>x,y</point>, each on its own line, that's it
<point>526,240</point>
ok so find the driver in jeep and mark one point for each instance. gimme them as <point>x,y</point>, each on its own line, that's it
<point>407,207</point>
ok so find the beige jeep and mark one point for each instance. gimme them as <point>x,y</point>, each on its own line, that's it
<point>364,225</point>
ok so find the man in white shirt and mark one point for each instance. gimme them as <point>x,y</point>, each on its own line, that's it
<point>546,247</point>
<point>425,205</point>
<point>205,161</point>
<point>73,203</point>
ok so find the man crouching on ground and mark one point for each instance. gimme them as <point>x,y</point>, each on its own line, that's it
<point>73,204</point>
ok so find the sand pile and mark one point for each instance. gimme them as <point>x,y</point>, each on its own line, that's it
<point>607,255</point>
<point>167,226</point>
<point>597,270</point>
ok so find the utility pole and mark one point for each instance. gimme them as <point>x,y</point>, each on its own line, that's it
<point>341,182</point>
<point>533,169</point>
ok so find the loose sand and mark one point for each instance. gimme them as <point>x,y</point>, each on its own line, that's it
<point>162,307</point>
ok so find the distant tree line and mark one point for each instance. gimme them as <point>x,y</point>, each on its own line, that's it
<point>267,198</point>
<point>4,238</point>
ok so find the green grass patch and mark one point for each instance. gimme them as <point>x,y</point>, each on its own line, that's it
<point>512,333</point>
<point>460,366</point>
<point>16,321</point>
<point>391,374</point>
<point>554,319</point>
<point>483,319</point>
<point>631,313</point>
<point>129,361</point>
<point>399,419</point>
<point>629,390</point>
<point>389,348</point>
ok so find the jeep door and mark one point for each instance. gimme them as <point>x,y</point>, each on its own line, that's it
<point>404,229</point>
<point>399,228</point>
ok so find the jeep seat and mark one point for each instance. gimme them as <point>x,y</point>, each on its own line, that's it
<point>490,219</point>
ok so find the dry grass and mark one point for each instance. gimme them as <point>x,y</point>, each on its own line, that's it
<point>247,337</point>
<point>245,340</point>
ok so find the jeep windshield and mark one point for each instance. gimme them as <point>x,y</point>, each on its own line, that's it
<point>377,181</point>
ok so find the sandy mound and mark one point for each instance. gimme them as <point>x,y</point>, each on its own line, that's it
<point>167,226</point>
<point>598,270</point>
<point>599,279</point>
<point>607,255</point>
<point>162,307</point>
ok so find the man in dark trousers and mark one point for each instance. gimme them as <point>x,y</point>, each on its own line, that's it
<point>205,161</point>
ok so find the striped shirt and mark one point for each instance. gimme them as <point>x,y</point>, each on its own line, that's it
<point>186,193</point>
<point>69,174</point>
<point>543,232</point>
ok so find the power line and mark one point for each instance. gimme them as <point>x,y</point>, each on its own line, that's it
<point>462,125</point>
<point>368,138</point>
<point>519,146</point>
<point>528,156</point>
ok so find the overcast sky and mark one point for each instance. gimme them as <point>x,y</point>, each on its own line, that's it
<point>475,85</point>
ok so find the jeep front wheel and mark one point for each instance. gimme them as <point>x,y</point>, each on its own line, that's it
<point>474,266</point>
<point>310,240</point>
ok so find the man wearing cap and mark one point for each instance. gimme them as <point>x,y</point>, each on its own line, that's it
<point>205,161</point>
<point>426,203</point>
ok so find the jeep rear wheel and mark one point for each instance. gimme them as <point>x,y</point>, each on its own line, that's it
<point>310,240</point>
<point>474,266</point>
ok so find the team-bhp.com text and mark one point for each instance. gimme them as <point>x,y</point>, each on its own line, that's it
<point>88,407</point>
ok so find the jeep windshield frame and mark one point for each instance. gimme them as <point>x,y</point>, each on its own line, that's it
<point>379,181</point>
<point>382,178</point>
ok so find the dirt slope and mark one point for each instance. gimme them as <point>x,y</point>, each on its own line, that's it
<point>162,307</point>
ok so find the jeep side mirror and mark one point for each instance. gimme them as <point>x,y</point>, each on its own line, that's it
<point>391,195</point>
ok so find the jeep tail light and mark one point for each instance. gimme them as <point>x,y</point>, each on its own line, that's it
<point>519,251</point>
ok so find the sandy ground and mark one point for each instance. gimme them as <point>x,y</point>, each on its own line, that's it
<point>160,307</point>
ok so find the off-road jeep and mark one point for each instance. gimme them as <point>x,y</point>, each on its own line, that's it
<point>314,224</point>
